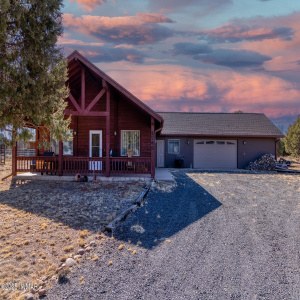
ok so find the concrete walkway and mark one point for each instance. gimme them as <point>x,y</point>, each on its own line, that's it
<point>163,174</point>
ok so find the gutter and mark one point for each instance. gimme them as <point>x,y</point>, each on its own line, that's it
<point>160,128</point>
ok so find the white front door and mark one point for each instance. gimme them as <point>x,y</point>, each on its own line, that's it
<point>95,149</point>
<point>160,153</point>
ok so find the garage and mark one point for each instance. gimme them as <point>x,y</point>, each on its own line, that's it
<point>215,154</point>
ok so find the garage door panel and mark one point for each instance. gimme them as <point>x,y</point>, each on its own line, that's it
<point>214,154</point>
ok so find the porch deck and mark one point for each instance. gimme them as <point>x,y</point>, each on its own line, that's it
<point>83,165</point>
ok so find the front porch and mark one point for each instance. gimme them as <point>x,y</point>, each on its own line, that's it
<point>66,165</point>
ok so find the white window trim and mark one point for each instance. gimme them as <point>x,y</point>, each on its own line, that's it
<point>90,141</point>
<point>122,141</point>
<point>178,146</point>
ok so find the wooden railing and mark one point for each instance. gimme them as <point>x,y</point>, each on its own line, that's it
<point>132,165</point>
<point>43,164</point>
<point>84,165</point>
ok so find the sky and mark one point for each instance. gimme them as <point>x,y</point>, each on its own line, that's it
<point>195,55</point>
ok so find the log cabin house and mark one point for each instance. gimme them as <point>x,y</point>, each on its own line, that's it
<point>113,131</point>
<point>116,133</point>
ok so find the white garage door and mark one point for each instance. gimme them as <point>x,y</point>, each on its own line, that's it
<point>215,154</point>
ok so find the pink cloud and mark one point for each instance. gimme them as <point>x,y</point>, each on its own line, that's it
<point>143,28</point>
<point>89,5</point>
<point>176,88</point>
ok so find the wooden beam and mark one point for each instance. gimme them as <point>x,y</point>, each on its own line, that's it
<point>14,160</point>
<point>74,102</point>
<point>107,132</point>
<point>152,148</point>
<point>96,99</point>
<point>82,89</point>
<point>60,158</point>
<point>85,113</point>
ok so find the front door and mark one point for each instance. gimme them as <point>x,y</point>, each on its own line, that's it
<point>160,153</point>
<point>95,149</point>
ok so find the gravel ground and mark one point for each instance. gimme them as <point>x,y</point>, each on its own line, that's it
<point>209,236</point>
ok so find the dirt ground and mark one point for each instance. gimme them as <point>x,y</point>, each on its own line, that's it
<point>43,223</point>
<point>295,162</point>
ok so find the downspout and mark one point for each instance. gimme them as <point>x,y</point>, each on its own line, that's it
<point>277,140</point>
<point>160,128</point>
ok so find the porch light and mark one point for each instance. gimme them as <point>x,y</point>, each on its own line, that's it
<point>115,133</point>
<point>244,142</point>
<point>74,132</point>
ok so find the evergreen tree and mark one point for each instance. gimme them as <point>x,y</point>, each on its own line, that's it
<point>292,139</point>
<point>33,71</point>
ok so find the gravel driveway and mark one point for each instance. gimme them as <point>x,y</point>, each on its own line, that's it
<point>209,236</point>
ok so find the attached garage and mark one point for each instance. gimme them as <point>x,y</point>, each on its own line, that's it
<point>215,140</point>
<point>215,154</point>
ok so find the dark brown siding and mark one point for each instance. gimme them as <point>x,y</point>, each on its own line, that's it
<point>250,151</point>
<point>124,116</point>
<point>253,149</point>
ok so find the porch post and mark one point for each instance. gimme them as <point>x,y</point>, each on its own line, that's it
<point>60,158</point>
<point>107,164</point>
<point>14,160</point>
<point>152,148</point>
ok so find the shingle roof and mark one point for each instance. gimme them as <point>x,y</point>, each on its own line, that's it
<point>218,124</point>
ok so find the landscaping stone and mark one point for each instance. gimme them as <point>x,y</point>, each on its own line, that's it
<point>28,296</point>
<point>70,262</point>
<point>81,251</point>
<point>41,292</point>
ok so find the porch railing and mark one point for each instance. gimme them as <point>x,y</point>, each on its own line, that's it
<point>37,164</point>
<point>84,165</point>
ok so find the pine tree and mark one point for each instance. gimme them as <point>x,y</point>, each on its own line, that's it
<point>292,139</point>
<point>33,71</point>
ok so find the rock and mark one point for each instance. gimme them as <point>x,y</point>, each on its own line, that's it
<point>33,291</point>
<point>46,277</point>
<point>77,256</point>
<point>28,296</point>
<point>58,269</point>
<point>93,243</point>
<point>41,292</point>
<point>81,251</point>
<point>88,249</point>
<point>70,262</point>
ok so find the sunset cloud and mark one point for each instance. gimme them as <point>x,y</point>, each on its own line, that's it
<point>206,6</point>
<point>137,30</point>
<point>89,5</point>
<point>187,89</point>
<point>233,58</point>
<point>183,48</point>
<point>237,32</point>
<point>222,57</point>
<point>103,53</point>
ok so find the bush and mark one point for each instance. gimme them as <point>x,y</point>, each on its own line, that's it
<point>292,140</point>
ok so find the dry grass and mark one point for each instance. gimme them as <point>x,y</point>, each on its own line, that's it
<point>295,162</point>
<point>29,250</point>
<point>33,245</point>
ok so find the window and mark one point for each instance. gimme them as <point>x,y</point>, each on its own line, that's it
<point>220,143</point>
<point>174,146</point>
<point>130,139</point>
<point>67,145</point>
<point>210,143</point>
